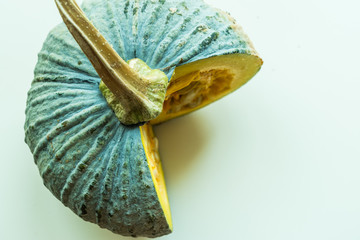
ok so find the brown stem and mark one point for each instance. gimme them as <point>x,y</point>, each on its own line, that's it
<point>126,84</point>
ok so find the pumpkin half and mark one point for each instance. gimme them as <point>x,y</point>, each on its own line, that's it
<point>106,172</point>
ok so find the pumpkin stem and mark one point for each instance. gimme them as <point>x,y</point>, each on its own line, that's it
<point>139,95</point>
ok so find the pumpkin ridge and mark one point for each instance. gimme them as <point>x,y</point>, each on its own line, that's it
<point>46,87</point>
<point>161,35</point>
<point>126,29</point>
<point>109,168</point>
<point>64,192</point>
<point>135,22</point>
<point>71,140</point>
<point>236,40</point>
<point>72,121</point>
<point>56,35</point>
<point>56,59</point>
<point>52,95</point>
<point>67,105</point>
<point>73,80</point>
<point>194,51</point>
<point>57,40</point>
<point>90,182</point>
<point>187,14</point>
<point>119,47</point>
<point>182,43</point>
<point>165,42</point>
<point>145,34</point>
<point>102,158</point>
<point>124,172</point>
<point>110,28</point>
<point>90,189</point>
<point>49,165</point>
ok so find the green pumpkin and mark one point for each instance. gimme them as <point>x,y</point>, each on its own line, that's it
<point>106,172</point>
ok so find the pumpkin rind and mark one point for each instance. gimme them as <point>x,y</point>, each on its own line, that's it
<point>90,161</point>
<point>96,167</point>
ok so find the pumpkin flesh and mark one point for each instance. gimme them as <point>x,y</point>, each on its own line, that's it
<point>150,144</point>
<point>200,83</point>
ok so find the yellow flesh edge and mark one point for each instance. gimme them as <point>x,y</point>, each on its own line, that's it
<point>240,67</point>
<point>151,151</point>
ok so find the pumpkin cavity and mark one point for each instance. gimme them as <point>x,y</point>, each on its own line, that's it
<point>202,87</point>
<point>199,83</point>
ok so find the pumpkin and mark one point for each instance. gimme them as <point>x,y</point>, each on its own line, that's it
<point>105,167</point>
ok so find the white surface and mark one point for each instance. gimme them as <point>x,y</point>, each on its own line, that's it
<point>277,160</point>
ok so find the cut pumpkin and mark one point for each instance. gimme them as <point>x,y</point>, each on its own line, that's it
<point>108,171</point>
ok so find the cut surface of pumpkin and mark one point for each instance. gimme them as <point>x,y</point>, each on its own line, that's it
<point>150,143</point>
<point>200,83</point>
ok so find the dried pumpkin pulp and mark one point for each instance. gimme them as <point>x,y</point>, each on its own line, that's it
<point>95,149</point>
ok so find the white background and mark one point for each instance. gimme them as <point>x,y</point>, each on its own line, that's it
<point>279,159</point>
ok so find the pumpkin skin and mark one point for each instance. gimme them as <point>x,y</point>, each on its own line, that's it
<point>92,163</point>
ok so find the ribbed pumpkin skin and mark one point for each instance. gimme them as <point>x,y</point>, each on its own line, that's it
<point>92,164</point>
<point>90,161</point>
